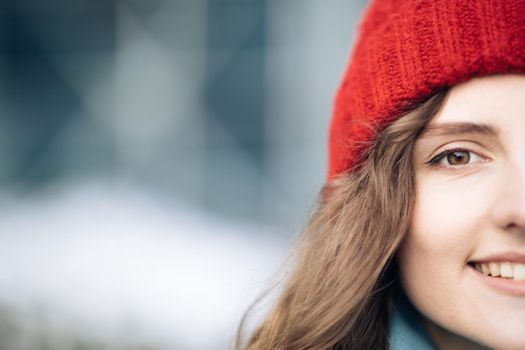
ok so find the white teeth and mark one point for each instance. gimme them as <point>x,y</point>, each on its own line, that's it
<point>519,272</point>
<point>494,269</point>
<point>504,269</point>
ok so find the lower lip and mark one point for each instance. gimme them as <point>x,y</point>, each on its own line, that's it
<point>505,285</point>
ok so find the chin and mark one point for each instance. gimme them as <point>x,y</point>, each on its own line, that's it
<point>509,339</point>
<point>506,344</point>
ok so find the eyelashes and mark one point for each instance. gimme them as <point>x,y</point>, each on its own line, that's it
<point>455,158</point>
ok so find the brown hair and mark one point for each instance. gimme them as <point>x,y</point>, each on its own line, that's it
<point>340,291</point>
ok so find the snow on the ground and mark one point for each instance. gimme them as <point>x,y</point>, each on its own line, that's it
<point>116,263</point>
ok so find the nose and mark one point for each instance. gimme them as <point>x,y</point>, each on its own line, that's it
<point>509,211</point>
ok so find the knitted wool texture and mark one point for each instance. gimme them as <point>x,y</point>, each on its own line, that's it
<point>406,51</point>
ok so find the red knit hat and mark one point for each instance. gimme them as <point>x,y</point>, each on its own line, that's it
<point>408,50</point>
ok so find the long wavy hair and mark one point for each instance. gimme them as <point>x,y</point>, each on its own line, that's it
<point>340,291</point>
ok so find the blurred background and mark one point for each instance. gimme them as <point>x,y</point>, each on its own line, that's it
<point>157,160</point>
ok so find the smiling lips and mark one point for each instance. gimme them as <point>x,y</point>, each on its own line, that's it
<point>510,270</point>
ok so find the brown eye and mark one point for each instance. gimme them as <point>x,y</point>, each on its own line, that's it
<point>458,157</point>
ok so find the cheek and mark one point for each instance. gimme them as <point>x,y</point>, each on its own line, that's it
<point>446,226</point>
<point>447,218</point>
<point>445,231</point>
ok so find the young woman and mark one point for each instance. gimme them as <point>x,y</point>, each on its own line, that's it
<point>418,241</point>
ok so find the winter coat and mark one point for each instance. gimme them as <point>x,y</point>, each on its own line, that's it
<point>406,329</point>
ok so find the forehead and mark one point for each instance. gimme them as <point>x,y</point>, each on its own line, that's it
<point>498,100</point>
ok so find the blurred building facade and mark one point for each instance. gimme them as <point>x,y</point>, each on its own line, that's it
<point>223,103</point>
<point>213,113</point>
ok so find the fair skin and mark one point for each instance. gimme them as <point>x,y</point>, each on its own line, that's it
<point>469,167</point>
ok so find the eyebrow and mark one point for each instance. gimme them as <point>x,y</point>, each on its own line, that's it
<point>456,128</point>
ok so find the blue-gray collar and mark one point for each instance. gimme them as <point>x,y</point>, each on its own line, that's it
<point>406,329</point>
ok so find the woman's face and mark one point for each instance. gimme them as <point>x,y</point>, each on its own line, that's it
<point>470,216</point>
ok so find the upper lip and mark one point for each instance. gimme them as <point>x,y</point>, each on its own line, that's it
<point>500,257</point>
